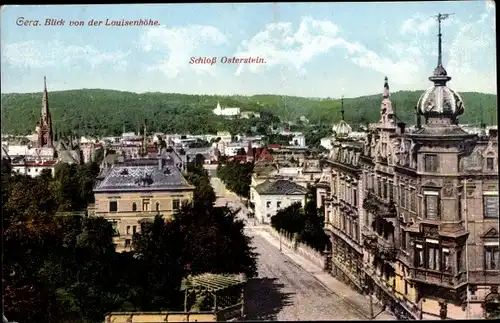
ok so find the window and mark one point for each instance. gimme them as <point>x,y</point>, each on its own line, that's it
<point>134,207</point>
<point>176,204</point>
<point>127,243</point>
<point>278,204</point>
<point>379,187</point>
<point>419,256</point>
<point>431,163</point>
<point>413,200</point>
<point>459,260</point>
<point>145,205</point>
<point>113,206</point>
<point>391,191</point>
<point>268,204</point>
<point>355,229</point>
<point>491,254</point>
<point>446,260</point>
<point>490,206</point>
<point>128,229</point>
<point>114,225</point>
<point>134,229</point>
<point>490,163</point>
<point>406,288</point>
<point>355,197</point>
<point>403,240</point>
<point>433,259</point>
<point>157,206</point>
<point>401,195</point>
<point>432,205</point>
<point>459,207</point>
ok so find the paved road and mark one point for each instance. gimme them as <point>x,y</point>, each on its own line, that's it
<point>283,290</point>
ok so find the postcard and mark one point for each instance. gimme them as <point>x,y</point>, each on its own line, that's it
<point>249,161</point>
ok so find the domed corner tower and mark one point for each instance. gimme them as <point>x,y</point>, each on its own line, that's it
<point>341,129</point>
<point>438,234</point>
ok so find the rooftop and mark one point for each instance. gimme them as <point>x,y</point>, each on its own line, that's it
<point>136,177</point>
<point>280,187</point>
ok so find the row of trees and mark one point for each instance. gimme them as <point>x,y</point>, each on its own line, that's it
<point>65,268</point>
<point>304,223</point>
<point>236,176</point>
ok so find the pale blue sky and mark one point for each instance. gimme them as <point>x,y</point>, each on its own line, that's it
<point>313,49</point>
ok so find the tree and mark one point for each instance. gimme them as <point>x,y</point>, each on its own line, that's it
<point>218,243</point>
<point>306,222</point>
<point>181,113</point>
<point>236,176</point>
<point>159,248</point>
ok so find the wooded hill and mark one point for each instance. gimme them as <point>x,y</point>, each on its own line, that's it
<point>107,112</point>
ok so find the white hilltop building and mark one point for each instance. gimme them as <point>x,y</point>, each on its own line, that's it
<point>227,112</point>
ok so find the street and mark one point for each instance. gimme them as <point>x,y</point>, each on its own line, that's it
<point>283,290</point>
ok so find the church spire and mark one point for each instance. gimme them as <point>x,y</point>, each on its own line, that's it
<point>45,133</point>
<point>45,98</point>
<point>342,107</point>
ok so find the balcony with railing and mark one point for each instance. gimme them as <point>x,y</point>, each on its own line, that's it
<point>381,247</point>
<point>433,277</point>
<point>379,206</point>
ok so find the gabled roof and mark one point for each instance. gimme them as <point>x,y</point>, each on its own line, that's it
<point>280,187</point>
<point>69,156</point>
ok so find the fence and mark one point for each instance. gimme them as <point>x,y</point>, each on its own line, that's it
<point>300,248</point>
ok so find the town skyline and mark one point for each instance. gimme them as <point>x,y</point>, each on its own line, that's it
<point>324,47</point>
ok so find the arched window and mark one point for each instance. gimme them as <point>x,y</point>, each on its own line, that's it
<point>157,206</point>
<point>134,207</point>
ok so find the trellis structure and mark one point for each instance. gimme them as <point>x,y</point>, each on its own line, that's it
<point>222,294</point>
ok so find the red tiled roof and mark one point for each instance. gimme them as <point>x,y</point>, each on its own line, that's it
<point>151,149</point>
<point>47,163</point>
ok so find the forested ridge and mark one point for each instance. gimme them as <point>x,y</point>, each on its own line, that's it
<point>107,112</point>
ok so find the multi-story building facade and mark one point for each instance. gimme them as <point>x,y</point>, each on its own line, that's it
<point>427,210</point>
<point>342,202</point>
<point>134,192</point>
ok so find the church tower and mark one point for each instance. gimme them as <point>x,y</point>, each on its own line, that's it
<point>44,129</point>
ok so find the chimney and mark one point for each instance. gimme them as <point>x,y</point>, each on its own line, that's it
<point>401,128</point>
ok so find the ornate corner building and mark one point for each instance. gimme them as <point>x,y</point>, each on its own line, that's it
<point>412,215</point>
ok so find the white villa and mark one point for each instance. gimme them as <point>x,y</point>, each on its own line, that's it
<point>227,112</point>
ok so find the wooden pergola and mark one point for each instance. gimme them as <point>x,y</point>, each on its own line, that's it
<point>218,293</point>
